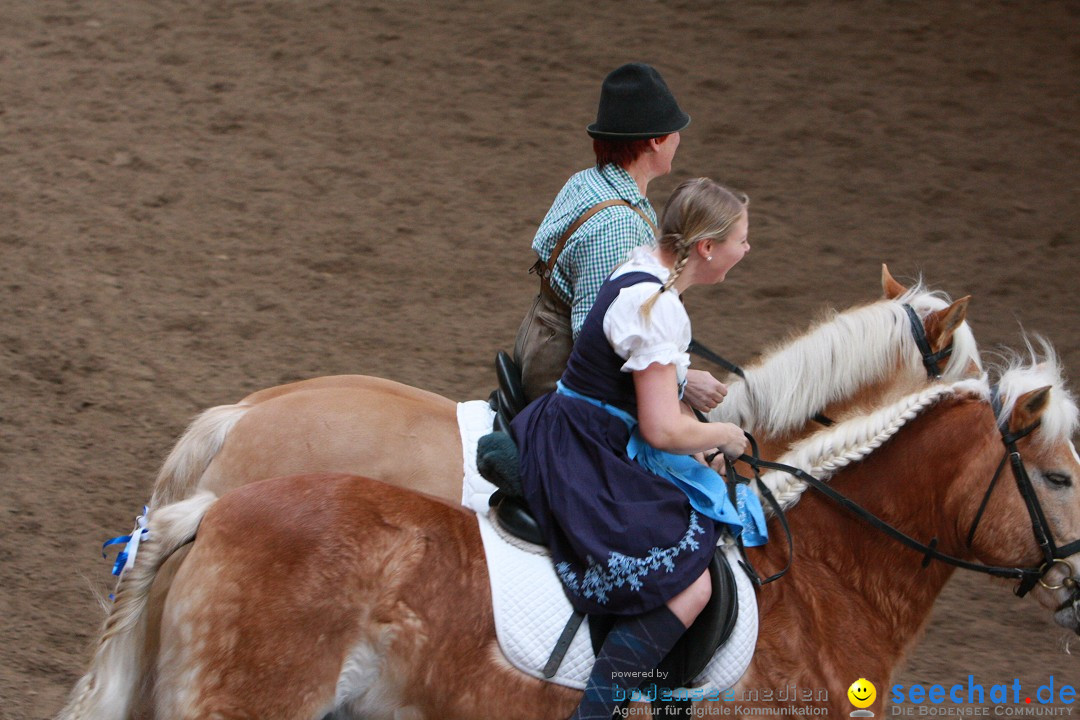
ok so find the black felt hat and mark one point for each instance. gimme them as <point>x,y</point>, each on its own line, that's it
<point>635,104</point>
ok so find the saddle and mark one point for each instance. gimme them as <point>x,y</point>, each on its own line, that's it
<point>497,461</point>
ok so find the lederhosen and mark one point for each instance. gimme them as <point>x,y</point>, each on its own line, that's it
<point>545,337</point>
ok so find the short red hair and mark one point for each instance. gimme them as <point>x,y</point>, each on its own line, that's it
<point>618,152</point>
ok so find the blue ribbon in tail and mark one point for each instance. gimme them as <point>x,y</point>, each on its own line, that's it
<point>126,558</point>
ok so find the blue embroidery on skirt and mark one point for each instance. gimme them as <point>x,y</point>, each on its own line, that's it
<point>620,569</point>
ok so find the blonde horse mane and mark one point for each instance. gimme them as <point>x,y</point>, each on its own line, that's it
<point>824,453</point>
<point>801,377</point>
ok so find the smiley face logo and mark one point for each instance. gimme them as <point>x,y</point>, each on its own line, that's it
<point>862,693</point>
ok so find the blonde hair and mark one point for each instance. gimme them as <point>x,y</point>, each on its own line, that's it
<point>698,209</point>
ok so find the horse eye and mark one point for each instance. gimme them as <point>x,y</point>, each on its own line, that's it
<point>1058,479</point>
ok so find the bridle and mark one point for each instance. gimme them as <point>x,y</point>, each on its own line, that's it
<point>930,359</point>
<point>1053,554</point>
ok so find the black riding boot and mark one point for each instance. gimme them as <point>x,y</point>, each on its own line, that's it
<point>633,648</point>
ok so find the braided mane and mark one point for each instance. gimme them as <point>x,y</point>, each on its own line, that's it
<point>826,452</point>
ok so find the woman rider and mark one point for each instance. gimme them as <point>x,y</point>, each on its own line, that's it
<point>632,521</point>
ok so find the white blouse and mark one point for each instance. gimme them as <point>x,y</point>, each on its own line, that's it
<point>664,336</point>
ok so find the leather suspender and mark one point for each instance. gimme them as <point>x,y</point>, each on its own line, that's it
<point>544,270</point>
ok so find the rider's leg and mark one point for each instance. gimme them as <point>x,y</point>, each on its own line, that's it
<point>635,646</point>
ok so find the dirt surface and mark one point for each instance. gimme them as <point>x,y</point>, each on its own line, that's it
<point>203,199</point>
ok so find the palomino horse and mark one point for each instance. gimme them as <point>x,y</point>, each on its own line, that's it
<point>409,437</point>
<point>327,595</point>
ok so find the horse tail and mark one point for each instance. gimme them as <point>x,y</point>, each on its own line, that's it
<point>108,689</point>
<point>193,452</point>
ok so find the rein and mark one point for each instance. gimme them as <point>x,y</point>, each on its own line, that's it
<point>703,352</point>
<point>1028,576</point>
<point>732,478</point>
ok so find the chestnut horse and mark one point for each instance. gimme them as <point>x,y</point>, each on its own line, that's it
<point>340,596</point>
<point>409,437</point>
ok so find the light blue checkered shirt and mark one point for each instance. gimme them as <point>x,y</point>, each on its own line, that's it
<point>598,246</point>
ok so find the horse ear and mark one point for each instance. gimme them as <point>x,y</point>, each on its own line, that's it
<point>889,286</point>
<point>1029,408</point>
<point>941,325</point>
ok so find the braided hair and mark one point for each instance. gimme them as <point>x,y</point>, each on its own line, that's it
<point>698,209</point>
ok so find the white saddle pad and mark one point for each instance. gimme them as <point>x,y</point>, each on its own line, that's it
<point>475,420</point>
<point>531,608</point>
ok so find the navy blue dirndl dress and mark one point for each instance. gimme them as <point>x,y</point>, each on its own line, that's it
<point>624,541</point>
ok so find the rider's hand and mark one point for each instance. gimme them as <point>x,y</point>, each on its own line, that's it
<point>719,463</point>
<point>733,440</point>
<point>703,391</point>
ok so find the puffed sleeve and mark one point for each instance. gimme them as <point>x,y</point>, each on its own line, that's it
<point>662,338</point>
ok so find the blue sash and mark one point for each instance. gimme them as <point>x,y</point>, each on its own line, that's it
<point>704,487</point>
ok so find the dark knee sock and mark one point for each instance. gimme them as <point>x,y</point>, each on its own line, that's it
<point>634,646</point>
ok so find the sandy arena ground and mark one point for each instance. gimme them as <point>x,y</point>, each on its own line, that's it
<point>200,199</point>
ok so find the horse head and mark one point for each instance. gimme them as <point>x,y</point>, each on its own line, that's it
<point>1027,514</point>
